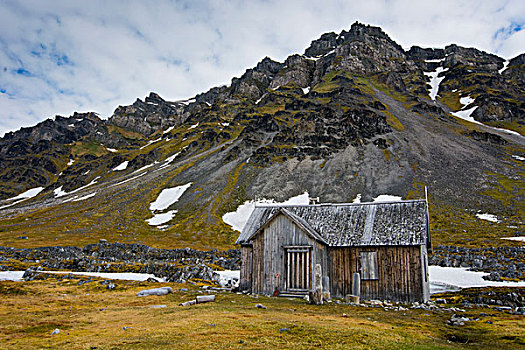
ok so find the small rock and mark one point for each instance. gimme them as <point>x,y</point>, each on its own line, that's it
<point>260,306</point>
<point>284,330</point>
<point>158,306</point>
<point>345,315</point>
<point>125,327</point>
<point>56,331</point>
<point>155,291</point>
<point>110,286</point>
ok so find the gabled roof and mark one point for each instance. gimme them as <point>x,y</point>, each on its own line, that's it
<point>340,225</point>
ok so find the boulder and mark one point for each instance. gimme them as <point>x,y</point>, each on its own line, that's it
<point>155,291</point>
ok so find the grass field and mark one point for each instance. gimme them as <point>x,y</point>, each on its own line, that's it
<point>89,316</point>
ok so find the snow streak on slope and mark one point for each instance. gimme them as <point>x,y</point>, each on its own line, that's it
<point>435,80</point>
<point>29,193</point>
<point>59,192</point>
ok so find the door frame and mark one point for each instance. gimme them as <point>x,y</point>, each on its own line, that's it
<point>298,265</point>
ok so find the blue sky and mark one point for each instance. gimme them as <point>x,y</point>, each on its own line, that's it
<point>57,57</point>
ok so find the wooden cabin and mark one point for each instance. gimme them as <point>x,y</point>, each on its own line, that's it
<point>386,243</point>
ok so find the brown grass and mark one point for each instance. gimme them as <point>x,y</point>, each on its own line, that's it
<point>90,316</point>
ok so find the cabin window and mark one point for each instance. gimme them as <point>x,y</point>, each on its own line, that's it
<point>368,265</point>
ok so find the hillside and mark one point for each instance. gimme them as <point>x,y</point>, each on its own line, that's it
<point>355,114</point>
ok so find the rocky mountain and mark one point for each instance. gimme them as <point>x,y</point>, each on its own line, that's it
<point>354,116</point>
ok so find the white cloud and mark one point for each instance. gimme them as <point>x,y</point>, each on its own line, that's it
<point>61,56</point>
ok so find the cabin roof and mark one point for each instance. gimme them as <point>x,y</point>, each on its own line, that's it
<point>360,224</point>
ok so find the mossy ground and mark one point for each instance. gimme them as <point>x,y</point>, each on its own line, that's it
<point>91,316</point>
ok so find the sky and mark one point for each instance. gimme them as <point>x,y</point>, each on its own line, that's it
<point>62,56</point>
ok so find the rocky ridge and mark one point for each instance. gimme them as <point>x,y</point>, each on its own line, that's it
<point>350,116</point>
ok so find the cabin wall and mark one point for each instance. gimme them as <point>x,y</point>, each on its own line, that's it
<point>269,261</point>
<point>245,281</point>
<point>400,273</point>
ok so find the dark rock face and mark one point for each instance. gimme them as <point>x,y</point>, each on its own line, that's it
<point>419,53</point>
<point>471,57</point>
<point>30,156</point>
<point>487,137</point>
<point>148,116</point>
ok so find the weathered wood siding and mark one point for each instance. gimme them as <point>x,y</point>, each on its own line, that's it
<point>400,273</point>
<point>245,282</point>
<point>269,254</point>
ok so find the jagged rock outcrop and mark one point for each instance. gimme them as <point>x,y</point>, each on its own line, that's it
<point>148,116</point>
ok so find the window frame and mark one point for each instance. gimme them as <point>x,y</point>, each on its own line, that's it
<point>368,265</point>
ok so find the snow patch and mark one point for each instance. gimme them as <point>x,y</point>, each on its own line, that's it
<point>228,277</point>
<point>112,150</point>
<point>130,276</point>
<point>193,126</point>
<point>169,196</point>
<point>71,125</point>
<point>122,166</point>
<point>357,198</point>
<point>71,161</point>
<point>187,102</point>
<point>465,101</point>
<point>161,218</point>
<point>435,60</point>
<point>518,158</point>
<point>488,217</point>
<point>519,239</point>
<point>238,218</point>
<point>58,192</point>
<point>306,90</point>
<point>454,278</point>
<point>11,275</point>
<point>387,198</point>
